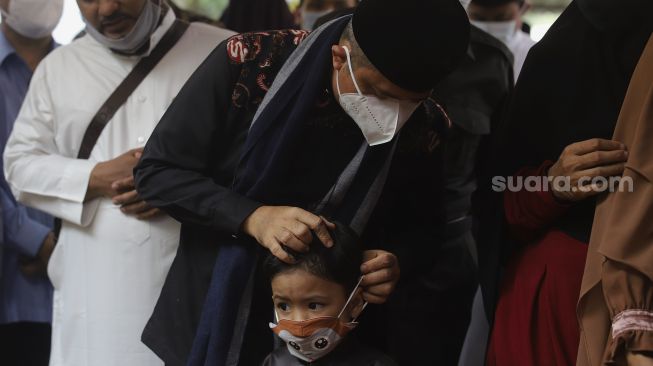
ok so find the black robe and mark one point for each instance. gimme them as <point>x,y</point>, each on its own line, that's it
<point>189,162</point>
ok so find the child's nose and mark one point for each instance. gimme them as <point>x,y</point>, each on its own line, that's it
<point>300,315</point>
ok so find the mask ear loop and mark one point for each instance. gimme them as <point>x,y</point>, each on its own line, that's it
<point>351,72</point>
<point>351,296</point>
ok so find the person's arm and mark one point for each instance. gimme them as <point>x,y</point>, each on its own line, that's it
<point>629,297</point>
<point>528,213</point>
<point>39,176</point>
<point>626,276</point>
<point>21,233</point>
<point>175,171</point>
<point>195,136</point>
<point>532,209</point>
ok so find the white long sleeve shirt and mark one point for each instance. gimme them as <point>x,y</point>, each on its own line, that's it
<point>108,268</point>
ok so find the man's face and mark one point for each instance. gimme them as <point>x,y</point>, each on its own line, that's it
<point>370,81</point>
<point>500,13</point>
<point>113,18</point>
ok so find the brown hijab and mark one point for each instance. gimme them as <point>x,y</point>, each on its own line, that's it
<point>621,231</point>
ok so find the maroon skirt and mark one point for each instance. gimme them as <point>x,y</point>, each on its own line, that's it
<point>535,321</point>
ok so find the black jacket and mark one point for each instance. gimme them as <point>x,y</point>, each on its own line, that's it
<point>189,163</point>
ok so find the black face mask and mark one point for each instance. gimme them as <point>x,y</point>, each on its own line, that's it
<point>616,15</point>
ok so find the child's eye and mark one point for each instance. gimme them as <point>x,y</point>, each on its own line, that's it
<point>315,306</point>
<point>283,306</point>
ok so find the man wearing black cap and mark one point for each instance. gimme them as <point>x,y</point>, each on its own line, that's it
<point>276,131</point>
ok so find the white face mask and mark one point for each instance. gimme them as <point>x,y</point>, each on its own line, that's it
<point>312,339</point>
<point>504,31</point>
<point>146,24</point>
<point>309,17</point>
<point>378,119</point>
<point>33,19</point>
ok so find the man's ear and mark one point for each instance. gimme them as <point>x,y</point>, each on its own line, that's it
<point>339,57</point>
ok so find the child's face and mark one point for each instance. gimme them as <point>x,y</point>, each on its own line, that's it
<point>299,295</point>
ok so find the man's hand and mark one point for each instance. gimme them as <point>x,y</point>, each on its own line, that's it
<point>585,160</point>
<point>381,273</point>
<point>38,266</point>
<point>129,201</point>
<point>276,227</point>
<point>106,173</point>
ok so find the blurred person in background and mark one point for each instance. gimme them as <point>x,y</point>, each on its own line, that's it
<point>257,15</point>
<point>114,251</point>
<point>503,20</point>
<point>559,126</point>
<point>27,236</point>
<point>309,11</point>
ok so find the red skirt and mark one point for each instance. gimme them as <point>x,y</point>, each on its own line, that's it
<point>535,321</point>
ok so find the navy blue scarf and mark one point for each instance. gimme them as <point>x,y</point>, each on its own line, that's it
<point>269,149</point>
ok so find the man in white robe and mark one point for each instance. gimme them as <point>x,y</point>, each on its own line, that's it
<point>114,251</point>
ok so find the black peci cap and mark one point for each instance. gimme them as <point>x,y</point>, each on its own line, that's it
<point>413,43</point>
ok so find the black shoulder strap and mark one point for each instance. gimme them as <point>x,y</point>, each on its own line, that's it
<point>123,91</point>
<point>127,87</point>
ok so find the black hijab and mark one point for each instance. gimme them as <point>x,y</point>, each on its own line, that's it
<point>570,89</point>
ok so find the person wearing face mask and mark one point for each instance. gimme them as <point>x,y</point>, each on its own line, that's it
<point>334,123</point>
<point>309,11</point>
<point>90,107</point>
<point>503,20</point>
<point>474,95</point>
<point>27,236</point>
<point>317,300</point>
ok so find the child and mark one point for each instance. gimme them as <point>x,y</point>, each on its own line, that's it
<point>316,302</point>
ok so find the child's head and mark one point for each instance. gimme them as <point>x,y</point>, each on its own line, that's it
<point>320,281</point>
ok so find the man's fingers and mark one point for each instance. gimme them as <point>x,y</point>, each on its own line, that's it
<point>600,158</point>
<point>588,146</point>
<point>383,290</point>
<point>328,223</point>
<point>137,152</point>
<point>386,275</point>
<point>148,214</point>
<point>124,185</point>
<point>322,233</point>
<point>301,231</point>
<point>317,224</point>
<point>135,208</point>
<point>278,252</point>
<point>605,171</point>
<point>378,261</point>
<point>374,299</point>
<point>285,237</point>
<point>126,198</point>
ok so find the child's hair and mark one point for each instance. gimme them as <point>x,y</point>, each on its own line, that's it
<point>340,263</point>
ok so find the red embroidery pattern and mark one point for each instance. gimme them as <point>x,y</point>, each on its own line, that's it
<point>260,81</point>
<point>237,50</point>
<point>241,49</point>
<point>300,35</point>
